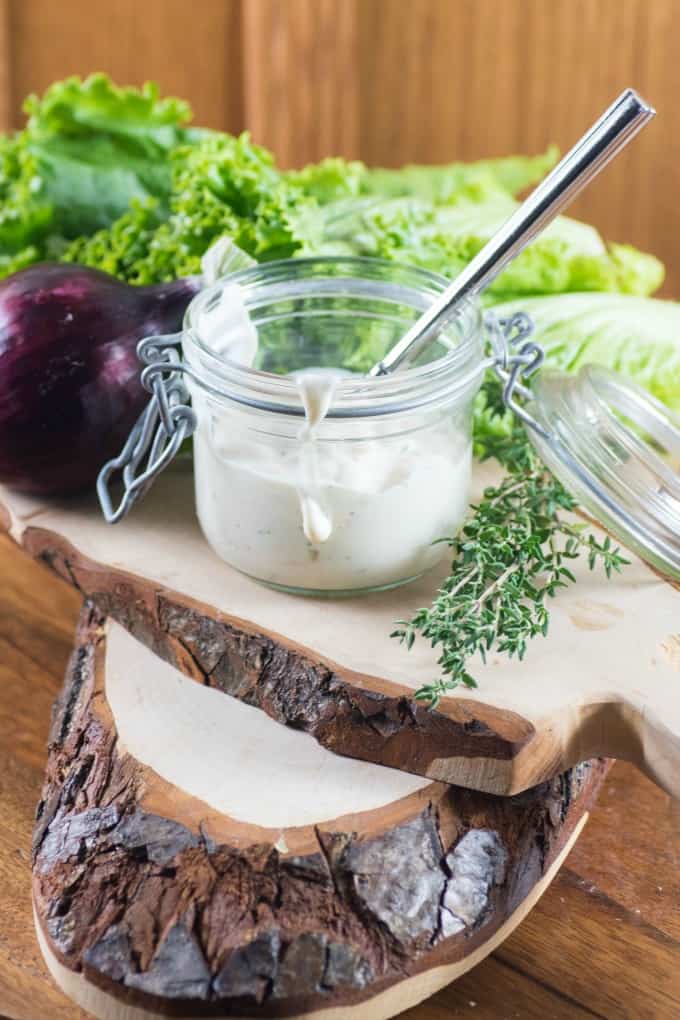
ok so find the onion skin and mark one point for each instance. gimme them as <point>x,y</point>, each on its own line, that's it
<point>69,374</point>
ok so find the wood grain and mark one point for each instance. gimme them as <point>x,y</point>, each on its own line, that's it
<point>389,81</point>
<point>436,81</point>
<point>603,958</point>
<point>467,79</point>
<point>6,95</point>
<point>192,51</point>
<point>301,86</point>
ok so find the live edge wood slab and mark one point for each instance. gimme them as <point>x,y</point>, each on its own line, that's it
<point>179,871</point>
<point>605,682</point>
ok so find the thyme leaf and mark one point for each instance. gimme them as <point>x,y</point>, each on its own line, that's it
<point>511,556</point>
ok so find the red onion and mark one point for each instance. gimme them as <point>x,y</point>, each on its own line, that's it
<point>69,373</point>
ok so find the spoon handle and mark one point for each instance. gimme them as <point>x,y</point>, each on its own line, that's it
<point>604,140</point>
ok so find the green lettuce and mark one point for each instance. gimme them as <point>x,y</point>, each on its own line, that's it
<point>443,238</point>
<point>98,147</point>
<point>114,178</point>
<point>88,151</point>
<point>74,111</point>
<point>330,180</point>
<point>437,184</point>
<point>334,179</point>
<point>26,214</point>
<point>638,337</point>
<point>225,185</point>
<point>220,185</point>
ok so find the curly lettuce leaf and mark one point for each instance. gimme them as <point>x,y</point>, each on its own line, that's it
<point>331,180</point>
<point>18,260</point>
<point>222,185</point>
<point>231,168</point>
<point>638,337</point>
<point>75,109</point>
<point>26,213</point>
<point>276,215</point>
<point>118,173</point>
<point>226,185</point>
<point>121,248</point>
<point>89,149</point>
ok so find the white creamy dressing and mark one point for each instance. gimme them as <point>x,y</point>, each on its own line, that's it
<point>229,330</point>
<point>316,387</point>
<point>310,512</point>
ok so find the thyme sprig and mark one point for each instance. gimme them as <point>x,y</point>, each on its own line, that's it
<point>511,555</point>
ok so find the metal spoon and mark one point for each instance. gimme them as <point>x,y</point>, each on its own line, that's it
<point>605,139</point>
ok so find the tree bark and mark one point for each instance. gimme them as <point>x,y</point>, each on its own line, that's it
<point>361,717</point>
<point>156,911</point>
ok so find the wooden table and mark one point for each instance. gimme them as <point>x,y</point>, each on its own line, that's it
<point>603,942</point>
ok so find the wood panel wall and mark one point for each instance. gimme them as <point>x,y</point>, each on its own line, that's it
<point>389,81</point>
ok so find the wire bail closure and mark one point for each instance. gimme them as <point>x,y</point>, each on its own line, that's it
<point>515,356</point>
<point>159,432</point>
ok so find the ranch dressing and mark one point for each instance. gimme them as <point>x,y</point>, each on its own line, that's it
<point>229,330</point>
<point>316,387</point>
<point>310,513</point>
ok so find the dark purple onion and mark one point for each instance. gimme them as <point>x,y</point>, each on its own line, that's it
<point>69,373</point>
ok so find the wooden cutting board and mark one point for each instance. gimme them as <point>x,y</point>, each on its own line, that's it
<point>606,681</point>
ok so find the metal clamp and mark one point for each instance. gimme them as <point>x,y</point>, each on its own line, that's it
<point>158,433</point>
<point>515,356</point>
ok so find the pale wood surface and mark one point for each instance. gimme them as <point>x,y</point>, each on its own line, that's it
<point>390,81</point>
<point>291,780</point>
<point>614,946</point>
<point>608,669</point>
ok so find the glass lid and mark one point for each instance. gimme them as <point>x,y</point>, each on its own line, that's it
<point>617,450</point>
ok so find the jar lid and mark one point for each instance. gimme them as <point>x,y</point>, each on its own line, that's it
<point>617,450</point>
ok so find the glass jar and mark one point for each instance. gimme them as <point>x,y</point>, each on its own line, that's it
<point>386,471</point>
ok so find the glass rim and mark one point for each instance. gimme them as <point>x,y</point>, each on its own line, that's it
<point>445,378</point>
<point>616,473</point>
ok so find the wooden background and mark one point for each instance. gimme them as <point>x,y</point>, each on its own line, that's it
<point>389,81</point>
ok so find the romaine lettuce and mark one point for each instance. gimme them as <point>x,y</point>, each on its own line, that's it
<point>639,337</point>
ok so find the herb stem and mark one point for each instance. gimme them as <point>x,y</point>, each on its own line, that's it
<point>509,556</point>
<point>493,587</point>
